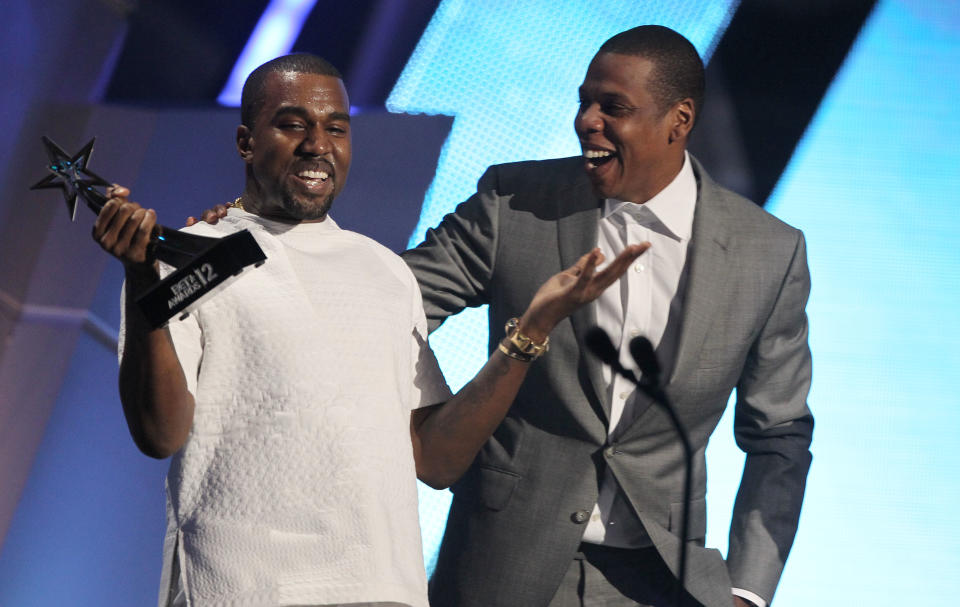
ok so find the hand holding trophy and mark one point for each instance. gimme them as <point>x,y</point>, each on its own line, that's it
<point>203,264</point>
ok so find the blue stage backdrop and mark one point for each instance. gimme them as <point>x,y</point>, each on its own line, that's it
<point>874,184</point>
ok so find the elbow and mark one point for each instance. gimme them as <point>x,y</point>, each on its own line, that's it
<point>438,477</point>
<point>156,449</point>
<point>156,445</point>
<point>437,482</point>
<point>154,454</point>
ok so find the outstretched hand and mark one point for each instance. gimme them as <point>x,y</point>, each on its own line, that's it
<point>579,284</point>
<point>211,216</point>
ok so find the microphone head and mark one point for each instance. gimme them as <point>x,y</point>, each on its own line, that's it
<point>642,351</point>
<point>598,342</point>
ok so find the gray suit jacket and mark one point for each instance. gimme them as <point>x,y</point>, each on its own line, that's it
<point>517,514</point>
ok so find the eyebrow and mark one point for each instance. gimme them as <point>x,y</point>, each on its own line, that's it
<point>603,95</point>
<point>303,113</point>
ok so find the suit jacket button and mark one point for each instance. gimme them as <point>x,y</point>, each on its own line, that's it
<point>580,516</point>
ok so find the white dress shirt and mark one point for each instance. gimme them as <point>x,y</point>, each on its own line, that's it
<point>647,300</point>
<point>641,303</point>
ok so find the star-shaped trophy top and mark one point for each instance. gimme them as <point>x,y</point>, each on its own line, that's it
<point>71,175</point>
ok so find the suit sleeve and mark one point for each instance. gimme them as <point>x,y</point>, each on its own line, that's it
<point>455,262</point>
<point>774,427</point>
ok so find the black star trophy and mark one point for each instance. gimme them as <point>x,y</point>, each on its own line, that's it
<point>202,264</point>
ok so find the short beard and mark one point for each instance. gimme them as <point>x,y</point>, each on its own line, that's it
<point>306,211</point>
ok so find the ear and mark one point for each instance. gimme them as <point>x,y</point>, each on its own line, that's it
<point>682,116</point>
<point>245,143</point>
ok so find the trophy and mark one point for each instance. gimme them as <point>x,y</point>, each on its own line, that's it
<point>203,265</point>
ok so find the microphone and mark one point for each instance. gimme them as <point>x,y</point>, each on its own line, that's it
<point>642,351</point>
<point>598,342</point>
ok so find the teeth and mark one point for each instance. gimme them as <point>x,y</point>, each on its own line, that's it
<point>597,153</point>
<point>322,175</point>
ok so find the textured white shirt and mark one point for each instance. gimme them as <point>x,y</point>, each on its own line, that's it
<point>647,300</point>
<point>297,483</point>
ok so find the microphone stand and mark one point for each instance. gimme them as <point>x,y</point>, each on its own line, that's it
<point>642,351</point>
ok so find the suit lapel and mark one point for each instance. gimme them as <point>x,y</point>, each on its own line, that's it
<point>708,271</point>
<point>577,234</point>
<point>706,260</point>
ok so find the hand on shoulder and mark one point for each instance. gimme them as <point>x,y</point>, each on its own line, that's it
<point>211,216</point>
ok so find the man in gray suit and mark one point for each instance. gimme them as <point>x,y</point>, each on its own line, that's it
<point>577,498</point>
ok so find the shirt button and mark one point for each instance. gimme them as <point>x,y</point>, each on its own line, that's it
<point>623,395</point>
<point>639,267</point>
<point>580,516</point>
<point>636,333</point>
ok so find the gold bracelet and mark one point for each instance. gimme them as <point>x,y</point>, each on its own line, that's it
<point>520,346</point>
<point>524,358</point>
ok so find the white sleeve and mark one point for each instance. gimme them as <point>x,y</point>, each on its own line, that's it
<point>186,336</point>
<point>756,599</point>
<point>187,342</point>
<point>429,386</point>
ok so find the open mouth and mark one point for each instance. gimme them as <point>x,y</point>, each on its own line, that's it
<point>596,158</point>
<point>316,180</point>
<point>315,177</point>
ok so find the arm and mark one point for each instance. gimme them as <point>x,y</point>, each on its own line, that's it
<point>455,261</point>
<point>447,437</point>
<point>156,402</point>
<point>774,427</point>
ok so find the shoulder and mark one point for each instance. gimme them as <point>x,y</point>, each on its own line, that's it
<point>369,247</point>
<point>227,225</point>
<point>535,174</point>
<point>741,214</point>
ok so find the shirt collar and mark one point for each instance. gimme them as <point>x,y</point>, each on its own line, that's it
<point>282,227</point>
<point>673,206</point>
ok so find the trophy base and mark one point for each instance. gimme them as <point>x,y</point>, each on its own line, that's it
<point>207,272</point>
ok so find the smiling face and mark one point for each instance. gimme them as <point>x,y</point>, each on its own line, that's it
<point>298,151</point>
<point>632,145</point>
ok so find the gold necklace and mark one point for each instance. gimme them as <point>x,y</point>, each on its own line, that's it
<point>238,203</point>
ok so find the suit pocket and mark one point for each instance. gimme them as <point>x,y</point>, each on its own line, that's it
<point>490,488</point>
<point>496,487</point>
<point>697,528</point>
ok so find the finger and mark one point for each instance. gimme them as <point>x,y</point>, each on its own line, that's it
<point>117,195</point>
<point>590,259</point>
<point>104,217</point>
<point>210,216</point>
<point>588,266</point>
<point>144,234</point>
<point>619,265</point>
<point>191,220</point>
<point>128,230</point>
<point>221,210</point>
<point>117,191</point>
<point>112,230</point>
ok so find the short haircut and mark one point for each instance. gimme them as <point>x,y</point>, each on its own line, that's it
<point>254,95</point>
<point>678,69</point>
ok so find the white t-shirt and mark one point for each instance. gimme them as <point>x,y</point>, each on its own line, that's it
<point>297,482</point>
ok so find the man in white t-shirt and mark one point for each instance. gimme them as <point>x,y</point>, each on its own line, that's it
<point>300,403</point>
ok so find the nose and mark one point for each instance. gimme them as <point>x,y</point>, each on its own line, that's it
<point>589,119</point>
<point>315,142</point>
